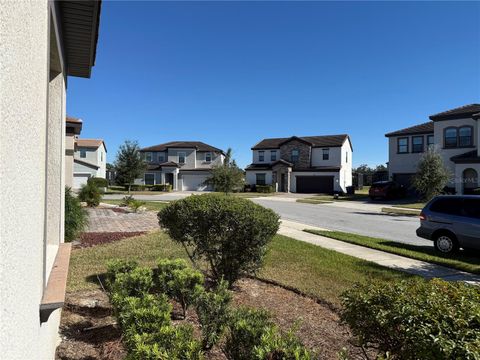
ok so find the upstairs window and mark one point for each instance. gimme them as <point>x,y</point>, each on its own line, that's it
<point>101,156</point>
<point>208,157</point>
<point>417,144</point>
<point>261,179</point>
<point>465,136</point>
<point>346,157</point>
<point>273,155</point>
<point>402,145</point>
<point>325,154</point>
<point>161,158</point>
<point>148,156</point>
<point>430,141</point>
<point>261,156</point>
<point>181,157</point>
<point>294,156</point>
<point>83,153</point>
<point>450,137</point>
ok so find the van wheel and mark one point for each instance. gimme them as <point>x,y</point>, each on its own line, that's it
<point>446,243</point>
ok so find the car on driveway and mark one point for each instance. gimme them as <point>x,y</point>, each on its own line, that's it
<point>386,190</point>
<point>451,222</point>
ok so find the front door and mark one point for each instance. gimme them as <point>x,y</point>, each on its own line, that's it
<point>169,178</point>
<point>282,182</point>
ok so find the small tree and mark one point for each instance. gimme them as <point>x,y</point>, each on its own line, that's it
<point>129,163</point>
<point>76,218</point>
<point>431,176</point>
<point>226,177</point>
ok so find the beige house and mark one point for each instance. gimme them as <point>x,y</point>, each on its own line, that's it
<point>73,129</point>
<point>89,160</point>
<point>454,133</point>
<point>183,164</point>
<point>42,43</point>
<point>307,164</point>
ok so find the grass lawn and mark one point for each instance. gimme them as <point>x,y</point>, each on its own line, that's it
<point>247,195</point>
<point>461,261</point>
<point>399,211</point>
<point>416,205</point>
<point>314,201</point>
<point>313,270</point>
<point>150,205</point>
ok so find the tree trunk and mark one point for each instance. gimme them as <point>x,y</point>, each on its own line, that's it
<point>129,185</point>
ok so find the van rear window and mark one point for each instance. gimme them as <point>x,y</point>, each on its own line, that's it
<point>448,206</point>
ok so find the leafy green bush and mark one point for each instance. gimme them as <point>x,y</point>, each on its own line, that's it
<point>90,193</point>
<point>179,281</point>
<point>135,205</point>
<point>136,282</point>
<point>213,312</point>
<point>118,266</point>
<point>161,187</point>
<point>127,200</point>
<point>99,182</point>
<point>137,187</point>
<point>167,343</point>
<point>229,234</point>
<point>275,345</point>
<point>416,319</point>
<point>245,330</point>
<point>76,218</point>
<point>265,188</point>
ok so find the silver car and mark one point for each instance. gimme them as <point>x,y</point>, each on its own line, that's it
<point>451,222</point>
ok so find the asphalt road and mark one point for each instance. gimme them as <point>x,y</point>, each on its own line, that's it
<point>354,220</point>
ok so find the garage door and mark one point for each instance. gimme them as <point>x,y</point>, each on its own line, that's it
<point>194,182</point>
<point>79,180</point>
<point>315,184</point>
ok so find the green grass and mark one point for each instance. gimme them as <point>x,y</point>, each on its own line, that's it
<point>461,261</point>
<point>247,195</point>
<point>311,269</point>
<point>314,201</point>
<point>416,205</point>
<point>398,211</point>
<point>150,205</point>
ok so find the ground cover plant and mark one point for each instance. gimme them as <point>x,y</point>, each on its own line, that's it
<point>76,218</point>
<point>90,193</point>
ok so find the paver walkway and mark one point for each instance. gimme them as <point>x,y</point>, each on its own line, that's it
<point>107,220</point>
<point>396,262</point>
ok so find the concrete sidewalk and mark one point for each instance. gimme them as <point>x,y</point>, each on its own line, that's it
<point>295,230</point>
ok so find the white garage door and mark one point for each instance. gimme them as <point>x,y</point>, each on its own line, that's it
<point>79,180</point>
<point>194,182</point>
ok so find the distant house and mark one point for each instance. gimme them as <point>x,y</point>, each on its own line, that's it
<point>307,164</point>
<point>90,160</point>
<point>43,42</point>
<point>72,130</point>
<point>183,164</point>
<point>454,133</point>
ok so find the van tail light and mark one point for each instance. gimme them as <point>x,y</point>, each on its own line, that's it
<point>422,216</point>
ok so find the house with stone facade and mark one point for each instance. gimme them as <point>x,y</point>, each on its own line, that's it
<point>454,133</point>
<point>306,164</point>
<point>183,164</point>
<point>43,42</point>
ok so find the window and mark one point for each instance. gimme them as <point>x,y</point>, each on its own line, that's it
<point>465,136</point>
<point>161,158</point>
<point>208,157</point>
<point>417,144</point>
<point>346,157</point>
<point>402,145</point>
<point>181,158</point>
<point>450,137</point>
<point>273,155</point>
<point>83,153</point>
<point>452,206</point>
<point>325,154</point>
<point>260,179</point>
<point>148,156</point>
<point>261,156</point>
<point>149,179</point>
<point>294,156</point>
<point>101,156</point>
<point>430,141</point>
<point>472,208</point>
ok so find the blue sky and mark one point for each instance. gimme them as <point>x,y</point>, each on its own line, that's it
<point>232,73</point>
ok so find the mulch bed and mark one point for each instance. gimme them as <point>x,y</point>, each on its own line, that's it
<point>88,239</point>
<point>89,330</point>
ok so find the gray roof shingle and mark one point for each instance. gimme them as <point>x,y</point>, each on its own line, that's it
<point>425,128</point>
<point>315,141</point>
<point>465,111</point>
<point>198,145</point>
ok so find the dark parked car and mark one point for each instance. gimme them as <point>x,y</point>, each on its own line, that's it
<point>452,222</point>
<point>386,190</point>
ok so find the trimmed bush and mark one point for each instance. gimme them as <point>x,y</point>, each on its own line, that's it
<point>275,345</point>
<point>99,182</point>
<point>213,313</point>
<point>118,266</point>
<point>136,282</point>
<point>127,200</point>
<point>227,233</point>
<point>416,319</point>
<point>90,193</point>
<point>135,205</point>
<point>179,281</point>
<point>161,187</point>
<point>76,218</point>
<point>264,188</point>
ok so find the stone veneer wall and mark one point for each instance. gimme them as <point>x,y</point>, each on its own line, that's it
<point>304,153</point>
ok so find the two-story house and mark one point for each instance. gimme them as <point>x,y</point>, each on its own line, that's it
<point>73,128</point>
<point>453,133</point>
<point>89,160</point>
<point>307,164</point>
<point>183,164</point>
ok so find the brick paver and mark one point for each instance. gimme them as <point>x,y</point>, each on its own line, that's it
<point>107,220</point>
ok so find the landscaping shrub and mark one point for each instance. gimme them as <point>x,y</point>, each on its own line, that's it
<point>127,200</point>
<point>179,281</point>
<point>118,266</point>
<point>161,187</point>
<point>76,218</point>
<point>90,193</point>
<point>99,182</point>
<point>275,345</point>
<point>136,282</point>
<point>416,319</point>
<point>245,330</point>
<point>229,234</point>
<point>135,205</point>
<point>213,312</point>
<point>264,188</point>
<point>137,187</point>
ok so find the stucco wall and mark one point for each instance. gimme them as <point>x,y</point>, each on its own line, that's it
<point>91,154</point>
<point>334,158</point>
<point>69,150</point>
<point>251,178</point>
<point>23,111</point>
<point>458,175</point>
<point>202,164</point>
<point>401,163</point>
<point>189,159</point>
<point>102,161</point>
<point>267,157</point>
